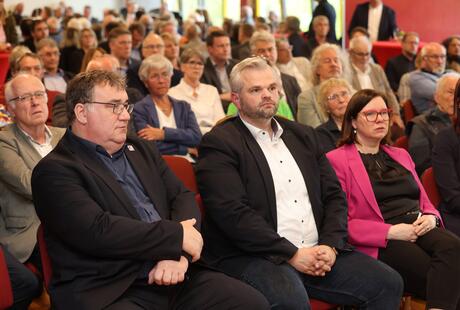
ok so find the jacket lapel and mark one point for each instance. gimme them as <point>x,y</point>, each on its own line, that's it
<point>144,173</point>
<point>262,165</point>
<point>361,177</point>
<point>94,164</point>
<point>26,147</point>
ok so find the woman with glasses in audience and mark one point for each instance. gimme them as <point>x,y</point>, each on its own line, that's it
<point>333,97</point>
<point>161,118</point>
<point>389,214</point>
<point>203,98</point>
<point>446,168</point>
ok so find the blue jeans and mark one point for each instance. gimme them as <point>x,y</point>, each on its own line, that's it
<point>355,279</point>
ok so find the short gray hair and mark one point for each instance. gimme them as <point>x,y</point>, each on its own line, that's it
<point>443,81</point>
<point>316,57</point>
<point>154,62</point>
<point>10,91</point>
<point>429,46</point>
<point>250,63</point>
<point>360,40</point>
<point>257,36</point>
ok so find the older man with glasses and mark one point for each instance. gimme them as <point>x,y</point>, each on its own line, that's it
<point>22,145</point>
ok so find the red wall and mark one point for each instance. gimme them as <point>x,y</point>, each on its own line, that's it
<point>433,20</point>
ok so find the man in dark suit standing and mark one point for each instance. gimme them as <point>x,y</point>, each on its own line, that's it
<point>121,229</point>
<point>219,65</point>
<point>377,18</point>
<point>276,216</point>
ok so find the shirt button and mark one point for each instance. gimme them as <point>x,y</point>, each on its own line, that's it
<point>302,241</point>
<point>302,221</point>
<point>289,180</point>
<point>295,201</point>
<point>281,161</point>
<point>263,133</point>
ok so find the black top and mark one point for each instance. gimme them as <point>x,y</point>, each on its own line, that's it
<point>326,9</point>
<point>328,134</point>
<point>395,189</point>
<point>396,67</point>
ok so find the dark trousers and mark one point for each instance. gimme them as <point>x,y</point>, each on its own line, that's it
<point>25,284</point>
<point>204,289</point>
<point>430,267</point>
<point>355,279</point>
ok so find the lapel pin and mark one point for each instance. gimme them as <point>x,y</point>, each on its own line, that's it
<point>130,148</point>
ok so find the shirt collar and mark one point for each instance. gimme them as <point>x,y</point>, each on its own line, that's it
<point>48,136</point>
<point>59,72</point>
<point>261,134</point>
<point>367,71</point>
<point>189,89</point>
<point>96,148</point>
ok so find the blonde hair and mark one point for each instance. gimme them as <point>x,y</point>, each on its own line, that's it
<point>326,86</point>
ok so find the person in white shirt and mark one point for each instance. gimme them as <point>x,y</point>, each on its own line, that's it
<point>203,98</point>
<point>298,67</point>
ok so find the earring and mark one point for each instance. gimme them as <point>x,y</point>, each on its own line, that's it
<point>354,131</point>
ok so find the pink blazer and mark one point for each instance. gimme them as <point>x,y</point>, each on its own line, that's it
<point>366,228</point>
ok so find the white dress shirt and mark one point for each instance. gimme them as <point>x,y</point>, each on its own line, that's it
<point>291,69</point>
<point>55,82</point>
<point>204,100</point>
<point>295,217</point>
<point>364,78</point>
<point>373,23</point>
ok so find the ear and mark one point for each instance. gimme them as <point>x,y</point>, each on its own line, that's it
<point>81,113</point>
<point>353,123</point>
<point>436,98</point>
<point>11,107</point>
<point>236,100</point>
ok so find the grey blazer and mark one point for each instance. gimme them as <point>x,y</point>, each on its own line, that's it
<point>18,220</point>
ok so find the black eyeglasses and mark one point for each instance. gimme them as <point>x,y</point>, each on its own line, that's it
<point>118,108</point>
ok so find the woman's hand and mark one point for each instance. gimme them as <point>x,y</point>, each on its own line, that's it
<point>424,224</point>
<point>404,232</point>
<point>151,133</point>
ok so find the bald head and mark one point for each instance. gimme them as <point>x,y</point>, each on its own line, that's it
<point>152,44</point>
<point>105,62</point>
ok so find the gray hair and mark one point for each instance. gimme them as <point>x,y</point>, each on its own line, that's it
<point>257,36</point>
<point>48,42</point>
<point>441,84</point>
<point>154,62</point>
<point>326,86</point>
<point>316,57</point>
<point>360,40</point>
<point>10,89</point>
<point>250,63</point>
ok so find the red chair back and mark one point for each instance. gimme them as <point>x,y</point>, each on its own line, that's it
<point>51,96</point>
<point>408,111</point>
<point>402,142</point>
<point>46,261</point>
<point>6,292</point>
<point>183,169</point>
<point>429,184</point>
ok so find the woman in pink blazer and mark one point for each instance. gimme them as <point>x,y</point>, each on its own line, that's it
<point>389,214</point>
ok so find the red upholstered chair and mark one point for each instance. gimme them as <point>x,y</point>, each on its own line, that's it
<point>6,292</point>
<point>402,142</point>
<point>408,111</point>
<point>46,261</point>
<point>429,184</point>
<point>51,96</point>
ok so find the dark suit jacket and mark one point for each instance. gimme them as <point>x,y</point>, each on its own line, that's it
<point>238,192</point>
<point>210,75</point>
<point>326,9</point>
<point>292,91</point>
<point>387,25</point>
<point>95,238</point>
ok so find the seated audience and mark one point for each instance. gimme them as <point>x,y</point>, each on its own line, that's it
<point>300,48</point>
<point>219,64</point>
<point>423,83</point>
<point>121,230</point>
<point>171,49</point>
<point>321,29</point>
<point>38,31</point>
<point>120,43</point>
<point>242,50</point>
<point>275,213</point>
<point>137,33</point>
<point>404,87</point>
<point>452,45</point>
<point>203,98</point>
<point>333,97</point>
<point>390,216</point>
<point>158,117</point>
<point>91,54</point>
<point>446,168</point>
<point>423,129</point>
<point>22,145</point>
<point>263,44</point>
<point>367,75</point>
<point>327,62</point>
<point>30,63</point>
<point>69,44</point>
<point>403,63</point>
<point>55,79</point>
<point>377,18</point>
<point>16,53</point>
<point>87,42</point>
<point>298,67</point>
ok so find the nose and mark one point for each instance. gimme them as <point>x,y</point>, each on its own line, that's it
<point>124,116</point>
